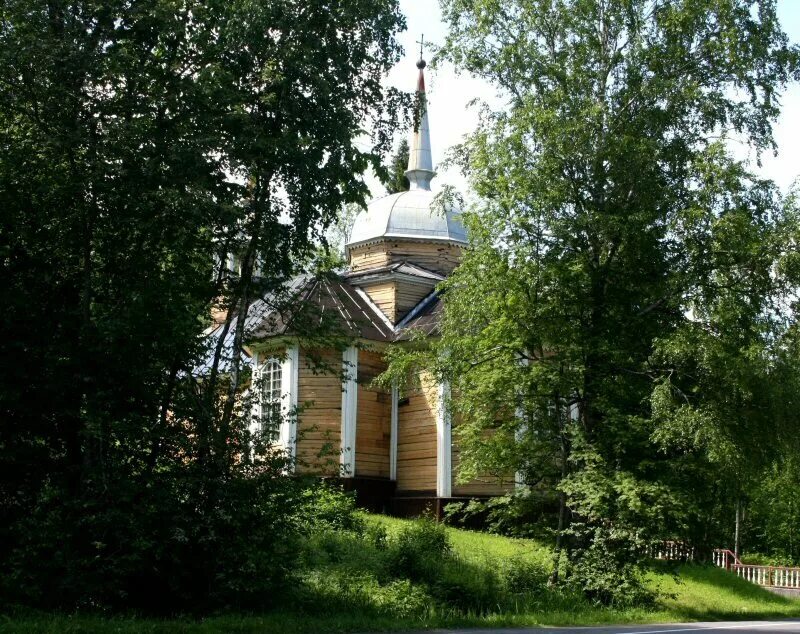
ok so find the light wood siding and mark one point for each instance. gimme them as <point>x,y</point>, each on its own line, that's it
<point>439,257</point>
<point>416,439</point>
<point>370,256</point>
<point>484,484</point>
<point>384,296</point>
<point>373,420</point>
<point>395,299</point>
<point>409,295</point>
<point>320,422</point>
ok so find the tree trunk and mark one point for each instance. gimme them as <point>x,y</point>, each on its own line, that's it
<point>562,505</point>
<point>562,515</point>
<point>737,533</point>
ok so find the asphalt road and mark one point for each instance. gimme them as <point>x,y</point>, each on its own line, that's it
<point>784,626</point>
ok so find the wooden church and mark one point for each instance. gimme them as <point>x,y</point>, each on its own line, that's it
<point>394,448</point>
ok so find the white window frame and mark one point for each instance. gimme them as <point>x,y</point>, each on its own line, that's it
<point>271,397</point>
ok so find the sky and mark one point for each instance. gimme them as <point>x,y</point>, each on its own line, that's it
<point>451,118</point>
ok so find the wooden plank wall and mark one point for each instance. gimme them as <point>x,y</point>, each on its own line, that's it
<point>439,257</point>
<point>384,296</point>
<point>373,422</point>
<point>442,258</point>
<point>395,299</point>
<point>320,422</point>
<point>409,295</point>
<point>485,483</point>
<point>416,439</point>
<point>369,256</point>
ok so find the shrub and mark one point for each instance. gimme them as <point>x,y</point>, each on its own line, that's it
<point>418,551</point>
<point>377,536</point>
<point>526,512</point>
<point>403,599</point>
<point>324,506</point>
<point>465,587</point>
<point>422,553</point>
<point>760,559</point>
<point>157,550</point>
<point>608,575</point>
<point>521,576</point>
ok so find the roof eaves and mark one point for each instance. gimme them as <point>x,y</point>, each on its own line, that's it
<point>423,304</point>
<point>378,312</point>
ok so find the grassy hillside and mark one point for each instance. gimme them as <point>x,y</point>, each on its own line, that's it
<point>688,592</point>
<point>348,585</point>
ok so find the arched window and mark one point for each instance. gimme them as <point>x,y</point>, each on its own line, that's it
<point>271,396</point>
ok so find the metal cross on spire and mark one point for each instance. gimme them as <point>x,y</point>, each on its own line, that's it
<point>421,42</point>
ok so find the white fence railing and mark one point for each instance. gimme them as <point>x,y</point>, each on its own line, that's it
<point>724,558</point>
<point>673,551</point>
<point>768,576</point>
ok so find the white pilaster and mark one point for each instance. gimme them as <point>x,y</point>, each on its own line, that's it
<point>393,436</point>
<point>290,369</point>
<point>574,411</point>
<point>255,381</point>
<point>444,444</point>
<point>519,435</point>
<point>349,411</point>
<point>522,428</point>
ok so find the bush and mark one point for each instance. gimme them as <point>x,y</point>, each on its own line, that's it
<point>608,574</point>
<point>157,550</point>
<point>530,513</point>
<point>521,576</point>
<point>422,553</point>
<point>403,599</point>
<point>760,559</point>
<point>324,506</point>
<point>465,587</point>
<point>406,574</point>
<point>376,535</point>
<point>418,551</point>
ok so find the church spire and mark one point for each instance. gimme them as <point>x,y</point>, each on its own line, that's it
<point>420,164</point>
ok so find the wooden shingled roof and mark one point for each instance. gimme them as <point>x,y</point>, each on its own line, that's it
<point>332,300</point>
<point>315,301</point>
<point>423,319</point>
<point>327,299</point>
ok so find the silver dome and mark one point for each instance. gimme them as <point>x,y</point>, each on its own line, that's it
<point>409,214</point>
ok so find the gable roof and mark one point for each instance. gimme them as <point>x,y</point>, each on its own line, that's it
<point>260,311</point>
<point>423,318</point>
<point>310,301</point>
<point>323,296</point>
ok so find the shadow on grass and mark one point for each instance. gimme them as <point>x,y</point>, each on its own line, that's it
<point>705,592</point>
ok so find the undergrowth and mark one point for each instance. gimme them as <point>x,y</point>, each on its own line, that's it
<point>361,572</point>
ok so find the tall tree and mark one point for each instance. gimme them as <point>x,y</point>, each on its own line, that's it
<point>614,235</point>
<point>397,181</point>
<point>140,140</point>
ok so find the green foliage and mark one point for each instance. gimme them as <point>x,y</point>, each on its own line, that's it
<point>142,143</point>
<point>397,181</point>
<point>772,515</point>
<point>353,595</point>
<point>334,253</point>
<point>418,551</point>
<point>617,330</point>
<point>155,549</point>
<point>524,512</point>
<point>608,571</point>
<point>324,507</point>
<point>522,576</point>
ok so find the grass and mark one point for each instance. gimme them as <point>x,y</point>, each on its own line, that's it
<point>346,590</point>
